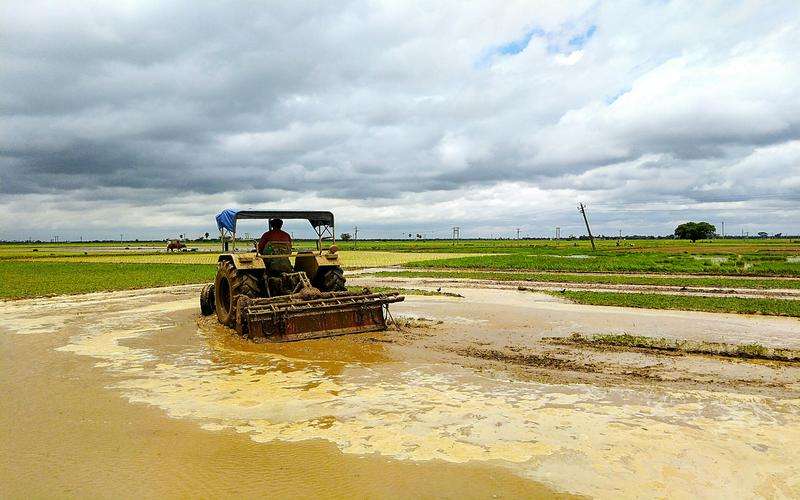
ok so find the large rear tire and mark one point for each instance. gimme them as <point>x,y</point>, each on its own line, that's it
<point>229,285</point>
<point>333,281</point>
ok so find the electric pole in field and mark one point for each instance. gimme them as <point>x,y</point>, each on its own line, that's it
<point>582,209</point>
<point>355,237</point>
<point>456,234</point>
<point>558,233</point>
<point>723,229</point>
<point>517,233</point>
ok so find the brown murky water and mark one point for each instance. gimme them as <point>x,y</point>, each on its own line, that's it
<point>129,393</point>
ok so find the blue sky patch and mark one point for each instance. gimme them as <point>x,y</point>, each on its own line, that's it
<point>555,44</point>
<point>517,46</point>
<point>579,41</point>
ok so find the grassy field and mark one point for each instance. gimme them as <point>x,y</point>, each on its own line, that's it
<point>36,279</point>
<point>348,259</point>
<point>569,260</point>
<point>607,279</point>
<point>39,270</point>
<point>29,269</point>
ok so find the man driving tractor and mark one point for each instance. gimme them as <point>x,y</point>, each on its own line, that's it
<point>275,234</point>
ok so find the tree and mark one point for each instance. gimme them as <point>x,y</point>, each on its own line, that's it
<point>695,231</point>
<point>345,237</point>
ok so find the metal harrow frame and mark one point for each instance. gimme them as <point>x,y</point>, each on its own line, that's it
<point>299,317</point>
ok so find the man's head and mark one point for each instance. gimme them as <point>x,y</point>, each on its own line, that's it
<point>275,223</point>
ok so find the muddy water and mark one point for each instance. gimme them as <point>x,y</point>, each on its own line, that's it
<point>130,393</point>
<point>72,423</point>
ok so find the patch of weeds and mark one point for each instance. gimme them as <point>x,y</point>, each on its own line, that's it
<point>751,351</point>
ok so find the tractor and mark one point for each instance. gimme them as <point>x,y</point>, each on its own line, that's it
<point>265,296</point>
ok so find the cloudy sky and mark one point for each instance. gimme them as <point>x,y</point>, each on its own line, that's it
<point>147,118</point>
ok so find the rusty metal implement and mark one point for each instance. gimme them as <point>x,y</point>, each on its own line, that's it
<point>299,317</point>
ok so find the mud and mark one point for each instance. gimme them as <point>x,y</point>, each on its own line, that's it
<point>132,393</point>
<point>739,351</point>
<point>773,293</point>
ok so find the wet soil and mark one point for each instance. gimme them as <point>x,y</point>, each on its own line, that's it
<point>78,416</point>
<point>134,393</point>
<point>772,293</point>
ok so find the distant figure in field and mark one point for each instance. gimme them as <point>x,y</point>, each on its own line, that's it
<point>275,234</point>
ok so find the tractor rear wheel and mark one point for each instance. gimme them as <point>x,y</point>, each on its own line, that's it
<point>333,281</point>
<point>229,285</point>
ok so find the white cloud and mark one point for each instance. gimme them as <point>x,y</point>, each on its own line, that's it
<point>393,113</point>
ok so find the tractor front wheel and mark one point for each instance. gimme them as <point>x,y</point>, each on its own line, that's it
<point>207,300</point>
<point>333,281</point>
<point>229,285</point>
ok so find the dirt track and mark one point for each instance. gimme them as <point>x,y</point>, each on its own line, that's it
<point>772,293</point>
<point>468,400</point>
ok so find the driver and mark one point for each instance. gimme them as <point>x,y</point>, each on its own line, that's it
<point>274,234</point>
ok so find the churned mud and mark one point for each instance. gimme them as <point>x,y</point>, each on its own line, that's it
<point>700,291</point>
<point>134,393</point>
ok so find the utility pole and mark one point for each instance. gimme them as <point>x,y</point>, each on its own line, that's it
<point>558,233</point>
<point>723,229</point>
<point>517,233</point>
<point>456,234</point>
<point>355,237</point>
<point>582,209</point>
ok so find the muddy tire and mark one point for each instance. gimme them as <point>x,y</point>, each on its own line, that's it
<point>229,285</point>
<point>207,300</point>
<point>333,281</point>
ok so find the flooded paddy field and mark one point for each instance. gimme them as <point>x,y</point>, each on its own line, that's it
<point>133,393</point>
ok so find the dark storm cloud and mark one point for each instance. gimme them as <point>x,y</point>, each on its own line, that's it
<point>383,106</point>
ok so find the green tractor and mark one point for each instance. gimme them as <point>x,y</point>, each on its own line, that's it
<point>265,296</point>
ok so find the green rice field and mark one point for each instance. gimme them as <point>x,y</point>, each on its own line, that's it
<point>40,269</point>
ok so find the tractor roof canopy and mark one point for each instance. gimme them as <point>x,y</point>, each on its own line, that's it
<point>228,217</point>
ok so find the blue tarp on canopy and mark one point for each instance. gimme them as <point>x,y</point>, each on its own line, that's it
<point>227,219</point>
